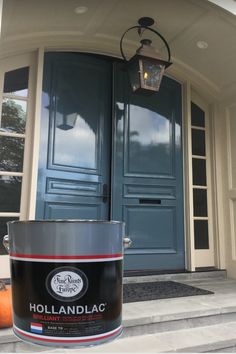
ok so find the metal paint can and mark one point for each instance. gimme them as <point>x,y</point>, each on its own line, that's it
<point>66,281</point>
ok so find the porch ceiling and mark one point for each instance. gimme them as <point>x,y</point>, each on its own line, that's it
<point>28,24</point>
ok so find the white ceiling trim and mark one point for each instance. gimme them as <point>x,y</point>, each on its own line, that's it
<point>28,25</point>
<point>229,5</point>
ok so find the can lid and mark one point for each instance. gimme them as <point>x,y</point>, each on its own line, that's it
<point>65,221</point>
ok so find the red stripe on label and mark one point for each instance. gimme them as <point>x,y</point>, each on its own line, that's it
<point>40,256</point>
<point>36,324</point>
<point>69,340</point>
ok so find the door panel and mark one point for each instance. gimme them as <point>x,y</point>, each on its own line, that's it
<point>147,191</point>
<point>148,142</point>
<point>144,221</point>
<point>72,210</point>
<point>74,162</point>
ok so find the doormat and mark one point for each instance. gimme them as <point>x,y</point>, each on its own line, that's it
<point>159,290</point>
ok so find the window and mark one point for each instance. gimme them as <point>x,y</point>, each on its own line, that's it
<point>199,173</point>
<point>12,141</point>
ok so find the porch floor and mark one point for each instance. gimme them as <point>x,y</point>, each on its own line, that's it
<point>202,323</point>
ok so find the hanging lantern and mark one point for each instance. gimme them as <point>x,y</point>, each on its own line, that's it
<point>146,67</point>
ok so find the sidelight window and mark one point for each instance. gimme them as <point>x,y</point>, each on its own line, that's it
<point>12,141</point>
<point>199,173</point>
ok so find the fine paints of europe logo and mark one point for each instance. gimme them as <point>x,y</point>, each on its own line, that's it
<point>66,283</point>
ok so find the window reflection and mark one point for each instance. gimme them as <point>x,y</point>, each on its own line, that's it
<point>75,146</point>
<point>78,109</point>
<point>67,121</point>
<point>11,154</point>
<point>10,190</point>
<point>148,127</point>
<point>149,141</point>
<point>13,116</point>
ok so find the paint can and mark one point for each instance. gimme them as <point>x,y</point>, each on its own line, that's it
<point>66,280</point>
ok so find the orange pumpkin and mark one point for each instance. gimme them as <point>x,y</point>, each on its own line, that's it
<point>5,306</point>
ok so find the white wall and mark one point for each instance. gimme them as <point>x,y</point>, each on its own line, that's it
<point>226,175</point>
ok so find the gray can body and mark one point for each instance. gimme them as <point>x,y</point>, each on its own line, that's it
<point>66,281</point>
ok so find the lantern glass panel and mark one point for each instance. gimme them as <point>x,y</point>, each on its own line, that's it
<point>151,74</point>
<point>134,75</point>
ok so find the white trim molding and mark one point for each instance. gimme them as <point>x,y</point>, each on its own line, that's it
<point>231,148</point>
<point>1,8</point>
<point>204,257</point>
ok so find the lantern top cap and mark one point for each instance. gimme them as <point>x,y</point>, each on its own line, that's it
<point>148,50</point>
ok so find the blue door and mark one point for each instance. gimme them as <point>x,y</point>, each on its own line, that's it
<point>74,166</point>
<point>147,191</point>
<point>106,153</point>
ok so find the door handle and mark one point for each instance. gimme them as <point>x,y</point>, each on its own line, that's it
<point>104,193</point>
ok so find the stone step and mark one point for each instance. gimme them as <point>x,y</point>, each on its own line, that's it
<point>7,336</point>
<point>187,276</point>
<point>163,317</point>
<point>166,315</point>
<point>197,340</point>
<point>185,312</point>
<point>169,314</point>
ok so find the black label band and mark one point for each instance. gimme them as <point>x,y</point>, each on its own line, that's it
<point>67,300</point>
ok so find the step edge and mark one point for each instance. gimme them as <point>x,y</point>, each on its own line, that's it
<point>221,274</point>
<point>179,316</point>
<point>205,347</point>
<point>208,347</point>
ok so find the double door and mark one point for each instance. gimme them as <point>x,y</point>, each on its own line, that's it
<point>107,154</point>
